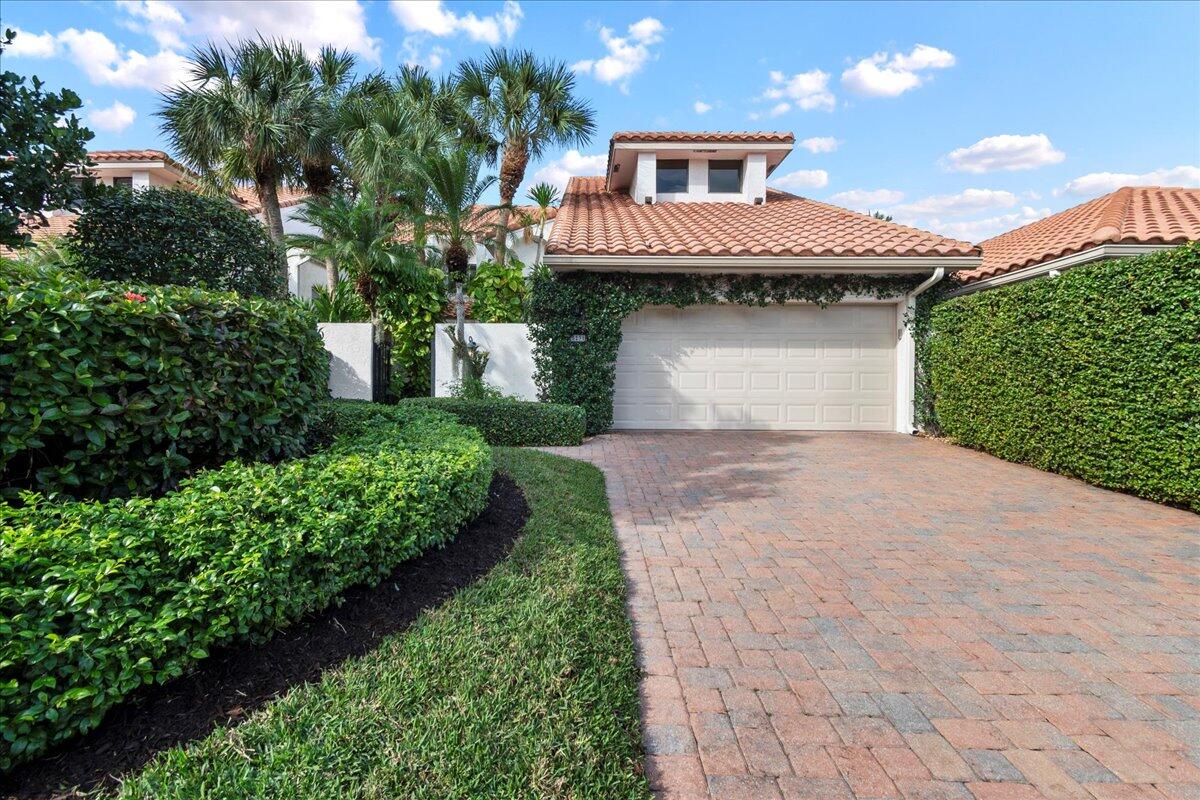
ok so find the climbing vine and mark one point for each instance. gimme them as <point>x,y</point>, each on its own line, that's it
<point>575,319</point>
<point>924,408</point>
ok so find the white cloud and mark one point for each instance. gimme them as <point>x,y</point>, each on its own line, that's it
<point>1097,183</point>
<point>431,17</point>
<point>780,108</point>
<point>966,202</point>
<point>411,54</point>
<point>1007,152</point>
<point>32,45</point>
<point>867,199</point>
<point>807,90</point>
<point>113,119</point>
<point>312,24</point>
<point>877,76</point>
<point>701,107</point>
<point>801,179</point>
<point>106,64</point>
<point>819,144</point>
<point>979,229</point>
<point>571,163</point>
<point>627,55</point>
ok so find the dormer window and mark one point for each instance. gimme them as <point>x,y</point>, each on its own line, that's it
<point>724,177</point>
<point>671,176</point>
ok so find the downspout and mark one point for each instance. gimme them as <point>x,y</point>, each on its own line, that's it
<point>911,307</point>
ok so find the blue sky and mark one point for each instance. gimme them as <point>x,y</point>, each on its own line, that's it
<point>967,119</point>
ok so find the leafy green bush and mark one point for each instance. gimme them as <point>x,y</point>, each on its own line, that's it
<point>99,598</point>
<point>106,390</point>
<point>499,292</point>
<point>1094,374</point>
<point>411,318</point>
<point>173,236</point>
<point>513,423</point>
<point>344,305</point>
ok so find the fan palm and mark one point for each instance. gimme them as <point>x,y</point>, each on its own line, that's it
<point>241,118</point>
<point>544,196</point>
<point>522,107</point>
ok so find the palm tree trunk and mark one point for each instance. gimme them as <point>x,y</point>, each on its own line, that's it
<point>460,316</point>
<point>502,241</point>
<point>512,172</point>
<point>268,196</point>
<point>331,276</point>
<point>537,261</point>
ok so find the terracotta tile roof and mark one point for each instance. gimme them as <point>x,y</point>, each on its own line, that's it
<point>592,221</point>
<point>246,198</point>
<point>1131,215</point>
<point>771,137</point>
<point>117,156</point>
<point>59,224</point>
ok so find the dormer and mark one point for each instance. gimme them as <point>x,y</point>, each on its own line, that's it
<point>673,167</point>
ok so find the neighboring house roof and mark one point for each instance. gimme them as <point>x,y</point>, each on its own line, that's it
<point>117,156</point>
<point>593,221</point>
<point>246,198</point>
<point>1131,215</point>
<point>488,219</point>
<point>685,137</point>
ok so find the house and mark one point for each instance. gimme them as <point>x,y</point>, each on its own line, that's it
<point>676,202</point>
<point>1128,222</point>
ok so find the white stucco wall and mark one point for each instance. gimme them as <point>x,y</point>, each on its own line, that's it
<point>510,366</point>
<point>351,351</point>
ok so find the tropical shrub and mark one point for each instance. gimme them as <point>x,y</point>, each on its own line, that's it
<point>343,305</point>
<point>100,598</point>
<point>499,292</point>
<point>174,236</point>
<point>1094,374</point>
<point>108,390</point>
<point>513,423</point>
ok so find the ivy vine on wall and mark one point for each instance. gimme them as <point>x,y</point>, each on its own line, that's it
<point>575,319</point>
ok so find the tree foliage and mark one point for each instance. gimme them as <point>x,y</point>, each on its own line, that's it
<point>43,149</point>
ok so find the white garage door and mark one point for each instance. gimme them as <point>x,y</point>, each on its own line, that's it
<point>781,367</point>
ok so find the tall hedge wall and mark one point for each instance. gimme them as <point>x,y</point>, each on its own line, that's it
<point>1094,374</point>
<point>107,389</point>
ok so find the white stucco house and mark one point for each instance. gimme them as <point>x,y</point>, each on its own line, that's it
<point>679,202</point>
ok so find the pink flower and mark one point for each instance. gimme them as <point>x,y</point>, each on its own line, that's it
<point>140,298</point>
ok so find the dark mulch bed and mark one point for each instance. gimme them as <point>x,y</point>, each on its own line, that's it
<point>235,681</point>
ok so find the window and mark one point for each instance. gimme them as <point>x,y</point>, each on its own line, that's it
<point>724,176</point>
<point>124,182</point>
<point>672,176</point>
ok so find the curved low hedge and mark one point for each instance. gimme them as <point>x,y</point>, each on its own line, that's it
<point>99,598</point>
<point>514,423</point>
<point>107,389</point>
<point>1094,374</point>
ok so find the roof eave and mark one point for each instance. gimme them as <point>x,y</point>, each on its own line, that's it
<point>762,264</point>
<point>1099,253</point>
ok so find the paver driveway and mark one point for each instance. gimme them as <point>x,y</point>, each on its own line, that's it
<point>872,615</point>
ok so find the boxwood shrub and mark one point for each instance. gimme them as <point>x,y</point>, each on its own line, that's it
<point>514,423</point>
<point>107,389</point>
<point>1094,374</point>
<point>99,598</point>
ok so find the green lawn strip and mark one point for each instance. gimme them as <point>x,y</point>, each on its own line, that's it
<point>523,685</point>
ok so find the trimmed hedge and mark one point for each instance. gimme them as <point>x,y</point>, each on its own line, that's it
<point>514,423</point>
<point>176,236</point>
<point>107,391</point>
<point>99,598</point>
<point>1094,374</point>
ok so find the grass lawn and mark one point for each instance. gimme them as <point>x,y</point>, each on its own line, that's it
<point>523,685</point>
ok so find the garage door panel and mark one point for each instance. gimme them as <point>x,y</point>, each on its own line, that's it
<point>794,366</point>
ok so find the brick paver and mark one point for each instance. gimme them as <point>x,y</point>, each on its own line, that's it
<point>872,615</point>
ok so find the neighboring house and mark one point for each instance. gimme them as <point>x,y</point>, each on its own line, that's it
<point>1128,222</point>
<point>136,169</point>
<point>699,202</point>
<point>304,274</point>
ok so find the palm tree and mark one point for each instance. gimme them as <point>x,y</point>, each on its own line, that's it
<point>522,107</point>
<point>241,118</point>
<point>543,196</point>
<point>359,236</point>
<point>454,191</point>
